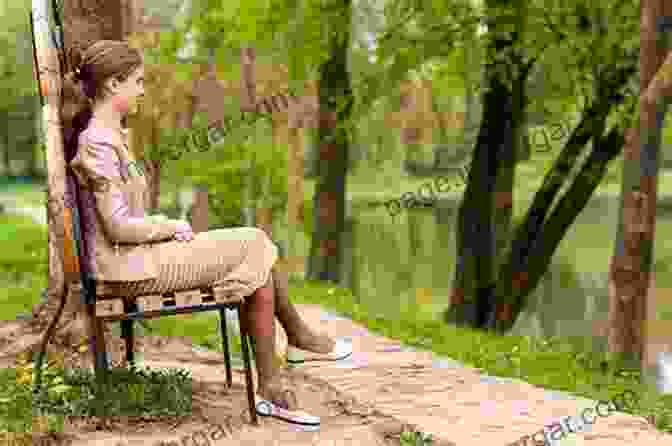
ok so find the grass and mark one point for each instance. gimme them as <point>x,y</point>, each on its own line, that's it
<point>75,393</point>
<point>23,264</point>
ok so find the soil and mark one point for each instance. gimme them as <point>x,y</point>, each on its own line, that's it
<point>219,413</point>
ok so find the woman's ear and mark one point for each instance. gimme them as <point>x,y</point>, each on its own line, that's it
<point>111,86</point>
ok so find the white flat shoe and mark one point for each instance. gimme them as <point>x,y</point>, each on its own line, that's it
<point>342,350</point>
<point>266,408</point>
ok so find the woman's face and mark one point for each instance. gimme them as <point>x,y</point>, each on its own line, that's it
<point>129,91</point>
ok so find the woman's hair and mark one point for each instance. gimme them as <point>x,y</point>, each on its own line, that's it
<point>82,87</point>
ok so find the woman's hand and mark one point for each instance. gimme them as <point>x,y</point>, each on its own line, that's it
<point>184,232</point>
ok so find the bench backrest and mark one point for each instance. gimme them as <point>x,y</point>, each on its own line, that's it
<point>82,215</point>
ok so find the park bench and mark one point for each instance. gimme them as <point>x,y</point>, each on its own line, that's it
<point>102,306</point>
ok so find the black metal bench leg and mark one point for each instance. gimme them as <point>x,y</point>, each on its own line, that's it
<point>225,346</point>
<point>99,352</point>
<point>127,333</point>
<point>253,344</point>
<point>98,348</point>
<point>248,368</point>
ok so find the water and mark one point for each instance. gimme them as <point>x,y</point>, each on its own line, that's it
<point>394,263</point>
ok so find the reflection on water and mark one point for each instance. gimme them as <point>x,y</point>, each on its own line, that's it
<point>396,262</point>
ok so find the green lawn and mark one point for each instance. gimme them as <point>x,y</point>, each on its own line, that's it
<point>23,264</point>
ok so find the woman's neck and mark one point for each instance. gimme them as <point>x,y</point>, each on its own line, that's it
<point>107,116</point>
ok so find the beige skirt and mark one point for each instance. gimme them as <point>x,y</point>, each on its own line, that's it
<point>238,260</point>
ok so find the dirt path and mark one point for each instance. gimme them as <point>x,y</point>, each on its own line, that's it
<point>219,413</point>
<point>456,404</point>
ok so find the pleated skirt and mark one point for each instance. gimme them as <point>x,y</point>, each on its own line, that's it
<point>237,259</point>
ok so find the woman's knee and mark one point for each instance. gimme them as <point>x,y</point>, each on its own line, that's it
<point>260,238</point>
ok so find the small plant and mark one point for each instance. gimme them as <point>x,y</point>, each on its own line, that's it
<point>415,438</point>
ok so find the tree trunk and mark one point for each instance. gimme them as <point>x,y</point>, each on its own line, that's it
<point>248,100</point>
<point>153,173</point>
<point>539,234</point>
<point>474,75</point>
<point>525,279</point>
<point>411,133</point>
<point>537,237</point>
<point>264,220</point>
<point>329,201</point>
<point>295,200</point>
<point>472,300</point>
<point>632,260</point>
<point>84,22</point>
<point>200,209</point>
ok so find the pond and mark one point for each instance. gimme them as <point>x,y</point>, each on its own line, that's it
<point>392,263</point>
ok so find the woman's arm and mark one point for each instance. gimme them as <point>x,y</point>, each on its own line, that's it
<point>97,168</point>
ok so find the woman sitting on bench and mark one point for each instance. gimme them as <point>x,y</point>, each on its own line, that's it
<point>141,255</point>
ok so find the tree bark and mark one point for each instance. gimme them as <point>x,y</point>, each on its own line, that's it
<point>200,209</point>
<point>295,200</point>
<point>559,221</point>
<point>329,201</point>
<point>630,272</point>
<point>411,133</point>
<point>539,234</point>
<point>84,22</point>
<point>473,298</point>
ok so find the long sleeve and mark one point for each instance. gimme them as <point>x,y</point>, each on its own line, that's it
<point>97,167</point>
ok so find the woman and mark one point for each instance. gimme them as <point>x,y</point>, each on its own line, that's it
<point>138,254</point>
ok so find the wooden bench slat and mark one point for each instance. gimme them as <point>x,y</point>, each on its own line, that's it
<point>190,297</point>
<point>114,306</point>
<point>110,307</point>
<point>150,303</point>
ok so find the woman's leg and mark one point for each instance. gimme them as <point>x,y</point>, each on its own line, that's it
<point>298,333</point>
<point>260,318</point>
